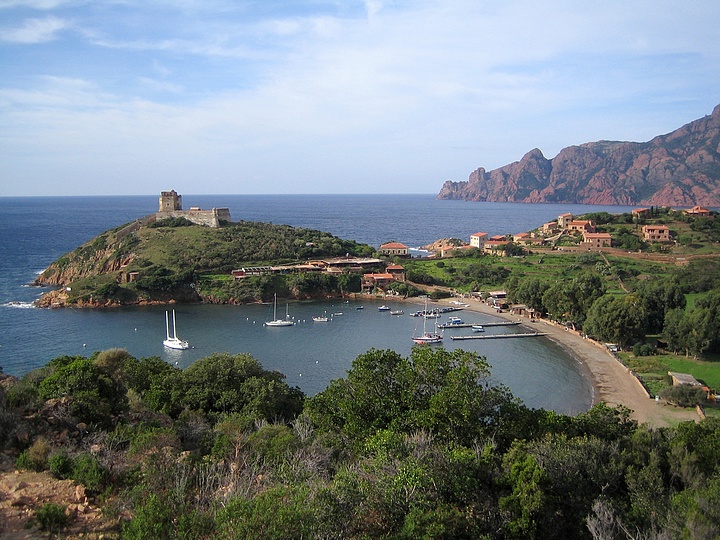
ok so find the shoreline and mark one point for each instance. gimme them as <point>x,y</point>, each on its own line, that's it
<point>612,382</point>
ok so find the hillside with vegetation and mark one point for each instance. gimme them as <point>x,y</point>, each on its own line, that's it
<point>424,446</point>
<point>174,259</point>
<point>659,302</point>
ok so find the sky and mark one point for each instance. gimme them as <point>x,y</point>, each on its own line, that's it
<point>132,97</point>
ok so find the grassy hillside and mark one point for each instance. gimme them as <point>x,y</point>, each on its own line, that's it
<point>169,259</point>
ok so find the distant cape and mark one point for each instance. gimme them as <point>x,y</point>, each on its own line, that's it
<point>681,168</point>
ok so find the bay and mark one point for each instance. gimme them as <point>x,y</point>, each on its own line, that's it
<point>35,231</point>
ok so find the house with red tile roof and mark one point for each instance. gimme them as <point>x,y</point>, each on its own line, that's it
<point>495,247</point>
<point>564,219</point>
<point>394,249</point>
<point>371,281</point>
<point>698,211</point>
<point>397,271</point>
<point>656,233</point>
<point>478,239</point>
<point>596,240</point>
<point>581,225</point>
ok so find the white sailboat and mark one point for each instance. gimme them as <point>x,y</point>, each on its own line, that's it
<point>427,338</point>
<point>172,341</point>
<point>287,321</point>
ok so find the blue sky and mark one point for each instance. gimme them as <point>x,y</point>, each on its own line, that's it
<point>320,96</point>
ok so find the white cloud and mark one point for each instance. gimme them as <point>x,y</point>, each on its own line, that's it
<point>37,4</point>
<point>391,95</point>
<point>35,31</point>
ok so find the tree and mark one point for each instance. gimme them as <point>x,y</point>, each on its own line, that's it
<point>94,397</point>
<point>224,384</point>
<point>617,319</point>
<point>570,301</point>
<point>446,393</point>
<point>658,297</point>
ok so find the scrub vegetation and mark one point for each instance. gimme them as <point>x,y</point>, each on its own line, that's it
<point>424,446</point>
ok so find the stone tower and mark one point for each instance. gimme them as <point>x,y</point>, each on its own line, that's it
<point>170,201</point>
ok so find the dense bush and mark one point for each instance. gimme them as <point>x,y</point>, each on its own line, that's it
<point>684,395</point>
<point>52,517</point>
<point>424,446</point>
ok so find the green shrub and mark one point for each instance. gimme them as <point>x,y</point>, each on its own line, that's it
<point>35,458</point>
<point>52,517</point>
<point>644,349</point>
<point>88,472</point>
<point>684,396</point>
<point>61,465</point>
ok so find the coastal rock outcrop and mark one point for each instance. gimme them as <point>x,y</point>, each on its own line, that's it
<point>681,168</point>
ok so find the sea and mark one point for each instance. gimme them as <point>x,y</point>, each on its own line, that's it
<point>35,231</point>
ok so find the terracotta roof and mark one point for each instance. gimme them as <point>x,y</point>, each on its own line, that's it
<point>393,245</point>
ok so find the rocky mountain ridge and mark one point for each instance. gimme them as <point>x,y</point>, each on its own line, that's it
<point>681,168</point>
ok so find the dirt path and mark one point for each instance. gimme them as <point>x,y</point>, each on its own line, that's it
<point>614,384</point>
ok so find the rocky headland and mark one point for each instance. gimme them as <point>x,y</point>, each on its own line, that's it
<point>681,168</point>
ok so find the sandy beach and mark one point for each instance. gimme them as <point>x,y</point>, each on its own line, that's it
<point>614,384</point>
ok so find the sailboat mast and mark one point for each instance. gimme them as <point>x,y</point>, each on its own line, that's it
<point>167,325</point>
<point>174,329</point>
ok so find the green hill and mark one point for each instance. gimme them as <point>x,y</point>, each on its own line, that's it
<point>173,259</point>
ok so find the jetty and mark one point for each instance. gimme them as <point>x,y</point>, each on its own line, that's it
<point>499,336</point>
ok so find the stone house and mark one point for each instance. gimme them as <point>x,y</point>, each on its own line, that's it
<point>394,249</point>
<point>596,240</point>
<point>698,211</point>
<point>564,219</point>
<point>581,226</point>
<point>397,272</point>
<point>656,233</point>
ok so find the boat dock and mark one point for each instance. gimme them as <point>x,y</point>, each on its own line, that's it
<point>499,336</point>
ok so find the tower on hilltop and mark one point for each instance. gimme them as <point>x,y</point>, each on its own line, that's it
<point>170,201</point>
<point>171,207</point>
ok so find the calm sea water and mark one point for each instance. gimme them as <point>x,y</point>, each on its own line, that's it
<point>35,231</point>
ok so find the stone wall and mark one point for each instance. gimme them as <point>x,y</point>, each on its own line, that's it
<point>207,218</point>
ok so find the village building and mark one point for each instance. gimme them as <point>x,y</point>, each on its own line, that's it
<point>550,227</point>
<point>394,249</point>
<point>478,239</point>
<point>581,226</point>
<point>683,379</point>
<point>495,247</point>
<point>380,281</point>
<point>697,211</point>
<point>641,213</point>
<point>596,240</point>
<point>656,233</point>
<point>397,272</point>
<point>564,219</point>
<point>521,237</point>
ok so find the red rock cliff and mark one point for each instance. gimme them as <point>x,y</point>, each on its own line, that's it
<point>681,168</point>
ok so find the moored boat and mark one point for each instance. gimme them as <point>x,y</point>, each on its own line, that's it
<point>172,341</point>
<point>287,321</point>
